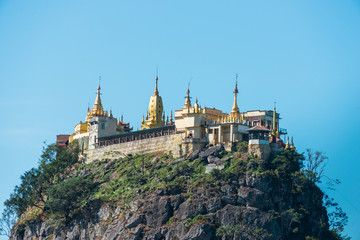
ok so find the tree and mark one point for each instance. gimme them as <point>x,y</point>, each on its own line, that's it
<point>69,195</point>
<point>56,159</point>
<point>29,193</point>
<point>337,217</point>
<point>32,192</point>
<point>314,165</point>
<point>287,162</point>
<point>7,220</point>
<point>313,169</point>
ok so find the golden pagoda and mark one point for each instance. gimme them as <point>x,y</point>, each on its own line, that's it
<point>97,110</point>
<point>292,144</point>
<point>187,103</point>
<point>287,146</point>
<point>235,115</point>
<point>197,107</point>
<point>154,116</point>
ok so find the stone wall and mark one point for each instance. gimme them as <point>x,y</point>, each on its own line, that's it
<point>259,150</point>
<point>190,145</point>
<point>167,144</point>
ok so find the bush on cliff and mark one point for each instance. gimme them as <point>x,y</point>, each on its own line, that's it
<point>67,197</point>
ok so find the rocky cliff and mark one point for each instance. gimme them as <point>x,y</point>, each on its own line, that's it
<point>158,197</point>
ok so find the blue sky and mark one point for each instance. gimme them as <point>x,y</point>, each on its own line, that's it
<point>302,54</point>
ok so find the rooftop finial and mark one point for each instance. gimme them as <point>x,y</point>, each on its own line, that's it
<point>292,143</point>
<point>287,143</point>
<point>235,108</point>
<point>99,83</point>
<point>187,98</point>
<point>156,92</point>
<point>188,90</point>
<point>97,109</point>
<point>236,89</point>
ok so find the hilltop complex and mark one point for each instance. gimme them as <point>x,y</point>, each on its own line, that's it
<point>192,128</point>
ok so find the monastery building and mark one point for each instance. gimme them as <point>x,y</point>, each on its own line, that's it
<point>192,128</point>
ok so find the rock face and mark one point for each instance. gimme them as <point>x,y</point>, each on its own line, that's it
<point>251,206</point>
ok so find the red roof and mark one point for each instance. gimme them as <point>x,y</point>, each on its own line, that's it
<point>62,139</point>
<point>258,128</point>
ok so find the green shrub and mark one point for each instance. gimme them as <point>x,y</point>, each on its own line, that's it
<point>68,196</point>
<point>242,147</point>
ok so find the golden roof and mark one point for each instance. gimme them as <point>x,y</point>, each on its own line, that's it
<point>154,117</point>
<point>98,109</point>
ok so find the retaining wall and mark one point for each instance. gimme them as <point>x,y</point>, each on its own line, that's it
<point>166,144</point>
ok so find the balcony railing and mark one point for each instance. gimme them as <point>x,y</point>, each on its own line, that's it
<point>135,136</point>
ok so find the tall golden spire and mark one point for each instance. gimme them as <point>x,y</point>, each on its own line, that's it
<point>235,115</point>
<point>235,107</point>
<point>98,109</point>
<point>187,98</point>
<point>154,117</point>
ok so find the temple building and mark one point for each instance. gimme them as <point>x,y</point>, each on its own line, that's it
<point>98,123</point>
<point>191,128</point>
<point>229,127</point>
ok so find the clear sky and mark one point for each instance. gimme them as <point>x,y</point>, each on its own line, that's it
<point>302,54</point>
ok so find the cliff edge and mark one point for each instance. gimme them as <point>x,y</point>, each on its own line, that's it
<point>158,197</point>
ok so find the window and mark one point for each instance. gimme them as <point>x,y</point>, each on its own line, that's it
<point>103,126</point>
